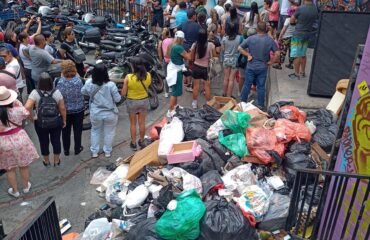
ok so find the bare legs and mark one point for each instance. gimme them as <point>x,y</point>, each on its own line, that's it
<point>300,65</point>
<point>207,89</point>
<point>140,119</point>
<point>229,78</point>
<point>173,102</point>
<point>12,177</point>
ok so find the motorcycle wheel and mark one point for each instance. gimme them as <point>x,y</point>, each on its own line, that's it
<point>153,98</point>
<point>157,82</point>
<point>86,125</point>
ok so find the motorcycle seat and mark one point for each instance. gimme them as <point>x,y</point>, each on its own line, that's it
<point>108,55</point>
<point>109,42</point>
<point>97,19</point>
<point>118,30</point>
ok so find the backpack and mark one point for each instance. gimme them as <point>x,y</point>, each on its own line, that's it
<point>48,115</point>
<point>76,53</point>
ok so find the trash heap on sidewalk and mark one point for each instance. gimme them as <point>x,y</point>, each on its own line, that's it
<point>224,171</point>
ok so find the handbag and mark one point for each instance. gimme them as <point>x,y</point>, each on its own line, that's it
<point>214,66</point>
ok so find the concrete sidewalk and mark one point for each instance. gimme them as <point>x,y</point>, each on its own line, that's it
<point>282,88</point>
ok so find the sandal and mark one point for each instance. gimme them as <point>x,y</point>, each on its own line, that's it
<point>79,150</point>
<point>45,163</point>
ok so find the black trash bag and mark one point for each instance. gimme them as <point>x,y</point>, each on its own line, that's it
<point>209,114</point>
<point>207,148</point>
<point>325,137</point>
<point>274,109</point>
<point>96,215</point>
<point>207,164</point>
<point>195,128</point>
<point>278,160</point>
<point>117,213</point>
<point>136,215</point>
<point>187,113</point>
<point>138,181</point>
<point>165,196</point>
<point>277,214</point>
<point>233,162</point>
<point>295,161</point>
<point>209,180</point>
<point>221,150</point>
<point>300,147</point>
<point>261,171</point>
<point>144,230</point>
<point>223,220</point>
<point>194,167</point>
<point>309,193</point>
<point>321,117</point>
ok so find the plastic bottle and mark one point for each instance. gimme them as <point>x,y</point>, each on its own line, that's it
<point>137,196</point>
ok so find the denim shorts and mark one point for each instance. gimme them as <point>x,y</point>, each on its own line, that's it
<point>137,106</point>
<point>230,62</point>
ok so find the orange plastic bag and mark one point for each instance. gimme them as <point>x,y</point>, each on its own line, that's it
<point>287,131</point>
<point>292,113</point>
<point>260,140</point>
<point>155,130</point>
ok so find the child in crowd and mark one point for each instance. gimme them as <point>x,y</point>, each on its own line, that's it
<point>284,41</point>
<point>285,37</point>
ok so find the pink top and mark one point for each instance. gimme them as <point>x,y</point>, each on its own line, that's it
<point>16,114</point>
<point>274,11</point>
<point>203,62</point>
<point>8,81</point>
<point>165,43</point>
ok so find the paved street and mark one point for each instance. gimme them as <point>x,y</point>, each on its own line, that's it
<point>76,199</point>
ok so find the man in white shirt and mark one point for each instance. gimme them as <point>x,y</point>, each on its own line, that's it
<point>12,65</point>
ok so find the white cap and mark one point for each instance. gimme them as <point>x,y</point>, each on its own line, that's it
<point>179,34</point>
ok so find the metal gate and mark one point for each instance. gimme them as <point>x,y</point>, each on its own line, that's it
<point>42,224</point>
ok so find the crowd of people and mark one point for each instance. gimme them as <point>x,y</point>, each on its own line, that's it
<point>196,45</point>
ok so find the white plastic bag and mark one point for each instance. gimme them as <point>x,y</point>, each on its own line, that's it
<point>99,176</point>
<point>255,201</point>
<point>137,196</point>
<point>170,134</point>
<point>188,181</point>
<point>98,229</point>
<point>118,174</point>
<point>239,178</point>
<point>214,129</point>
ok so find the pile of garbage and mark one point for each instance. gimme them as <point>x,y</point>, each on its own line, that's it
<point>213,174</point>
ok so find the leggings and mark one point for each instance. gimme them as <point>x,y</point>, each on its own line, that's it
<point>284,48</point>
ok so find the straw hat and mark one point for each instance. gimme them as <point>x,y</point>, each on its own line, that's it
<point>7,96</point>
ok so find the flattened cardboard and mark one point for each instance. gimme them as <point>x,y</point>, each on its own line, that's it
<point>222,103</point>
<point>146,156</point>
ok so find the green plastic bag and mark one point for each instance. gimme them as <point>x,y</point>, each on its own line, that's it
<point>235,142</point>
<point>237,122</point>
<point>183,222</point>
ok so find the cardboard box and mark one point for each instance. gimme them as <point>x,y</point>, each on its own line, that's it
<point>336,102</point>
<point>182,152</point>
<point>222,103</point>
<point>146,156</point>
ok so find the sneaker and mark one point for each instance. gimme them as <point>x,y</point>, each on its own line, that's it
<point>294,76</point>
<point>290,66</point>
<point>194,104</point>
<point>14,194</point>
<point>133,146</point>
<point>95,155</point>
<point>27,190</point>
<point>166,95</point>
<point>189,89</point>
<point>107,155</point>
<point>303,75</point>
<point>277,66</point>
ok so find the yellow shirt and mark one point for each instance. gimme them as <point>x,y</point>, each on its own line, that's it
<point>136,90</point>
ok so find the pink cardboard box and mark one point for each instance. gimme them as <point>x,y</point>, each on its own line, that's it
<point>184,152</point>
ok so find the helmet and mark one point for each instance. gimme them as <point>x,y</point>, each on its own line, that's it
<point>116,74</point>
<point>45,10</point>
<point>87,17</point>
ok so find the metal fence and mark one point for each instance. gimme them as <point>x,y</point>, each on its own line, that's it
<point>117,9</point>
<point>42,224</point>
<point>320,197</point>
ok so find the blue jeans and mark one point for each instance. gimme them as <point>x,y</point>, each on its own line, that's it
<point>259,77</point>
<point>106,123</point>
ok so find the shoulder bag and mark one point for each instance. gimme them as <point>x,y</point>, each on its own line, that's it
<point>214,66</point>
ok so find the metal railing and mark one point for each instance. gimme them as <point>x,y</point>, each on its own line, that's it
<point>42,224</point>
<point>329,205</point>
<point>117,9</point>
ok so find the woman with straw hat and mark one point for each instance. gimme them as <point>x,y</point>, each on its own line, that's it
<point>16,148</point>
